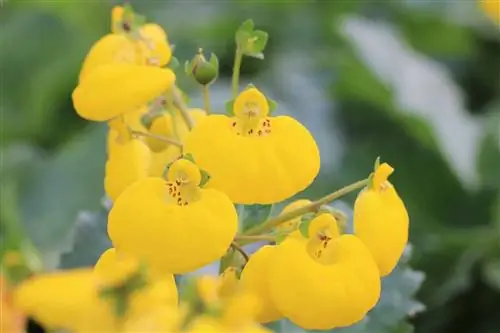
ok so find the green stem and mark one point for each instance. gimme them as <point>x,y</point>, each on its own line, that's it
<point>239,249</point>
<point>157,137</point>
<point>236,71</point>
<point>312,207</point>
<point>206,98</point>
<point>244,239</point>
<point>179,103</point>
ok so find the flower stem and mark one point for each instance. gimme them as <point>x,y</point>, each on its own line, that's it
<point>206,98</point>
<point>312,207</point>
<point>179,103</point>
<point>254,239</point>
<point>238,248</point>
<point>157,137</point>
<point>236,72</point>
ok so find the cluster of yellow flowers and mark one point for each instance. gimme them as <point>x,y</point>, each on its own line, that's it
<point>174,175</point>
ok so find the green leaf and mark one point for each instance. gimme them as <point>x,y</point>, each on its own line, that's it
<point>229,107</point>
<point>89,228</point>
<point>260,43</point>
<point>247,26</point>
<point>61,186</point>
<point>254,215</point>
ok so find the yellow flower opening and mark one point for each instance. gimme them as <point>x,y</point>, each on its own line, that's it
<point>339,287</point>
<point>252,157</point>
<point>111,90</point>
<point>157,220</point>
<point>381,220</point>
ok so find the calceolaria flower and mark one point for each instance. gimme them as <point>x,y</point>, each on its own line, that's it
<point>131,42</point>
<point>12,319</point>
<point>381,220</point>
<point>173,224</point>
<point>88,300</point>
<point>128,159</point>
<point>292,224</point>
<point>253,157</point>
<point>111,90</point>
<point>334,275</point>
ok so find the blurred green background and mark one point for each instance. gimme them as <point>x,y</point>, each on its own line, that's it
<point>416,82</point>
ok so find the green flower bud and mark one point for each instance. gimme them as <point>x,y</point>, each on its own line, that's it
<point>204,72</point>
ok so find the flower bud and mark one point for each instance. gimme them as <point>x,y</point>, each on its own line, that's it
<point>204,72</point>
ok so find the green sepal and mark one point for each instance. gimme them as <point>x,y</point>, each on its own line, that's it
<point>188,67</point>
<point>173,64</point>
<point>370,180</point>
<point>259,45</point>
<point>247,26</point>
<point>305,221</point>
<point>214,61</point>
<point>189,157</point>
<point>148,119</point>
<point>205,178</point>
<point>229,108</point>
<point>272,105</point>
<point>250,86</point>
<point>376,164</point>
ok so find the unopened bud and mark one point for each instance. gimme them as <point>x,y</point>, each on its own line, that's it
<point>204,72</point>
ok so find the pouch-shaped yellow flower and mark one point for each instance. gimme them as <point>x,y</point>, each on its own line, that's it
<point>161,159</point>
<point>128,160</point>
<point>12,320</point>
<point>174,225</point>
<point>381,220</point>
<point>66,300</point>
<point>111,48</point>
<point>255,279</point>
<point>114,89</point>
<point>323,283</point>
<point>160,290</point>
<point>252,157</point>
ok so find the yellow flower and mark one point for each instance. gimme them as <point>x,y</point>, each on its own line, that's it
<point>255,278</point>
<point>11,320</point>
<point>114,269</point>
<point>66,300</point>
<point>133,119</point>
<point>151,40</point>
<point>109,49</point>
<point>293,223</point>
<point>492,9</point>
<point>252,157</point>
<point>128,160</point>
<point>94,300</point>
<point>171,125</point>
<point>334,287</point>
<point>381,220</point>
<point>173,225</point>
<point>111,90</point>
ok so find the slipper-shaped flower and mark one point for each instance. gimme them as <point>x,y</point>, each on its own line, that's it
<point>111,90</point>
<point>252,157</point>
<point>173,225</point>
<point>381,220</point>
